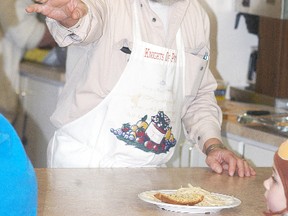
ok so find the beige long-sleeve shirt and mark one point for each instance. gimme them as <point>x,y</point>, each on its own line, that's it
<point>95,61</point>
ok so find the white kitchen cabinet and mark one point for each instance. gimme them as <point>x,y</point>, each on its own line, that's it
<point>197,158</point>
<point>237,146</point>
<point>258,154</point>
<point>187,155</point>
<point>38,98</point>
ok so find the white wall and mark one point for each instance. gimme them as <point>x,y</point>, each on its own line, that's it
<point>230,48</point>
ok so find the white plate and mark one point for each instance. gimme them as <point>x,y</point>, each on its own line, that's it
<point>148,197</point>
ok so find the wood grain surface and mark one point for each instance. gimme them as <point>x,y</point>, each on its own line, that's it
<point>87,192</point>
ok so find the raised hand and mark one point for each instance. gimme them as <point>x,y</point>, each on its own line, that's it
<point>66,12</point>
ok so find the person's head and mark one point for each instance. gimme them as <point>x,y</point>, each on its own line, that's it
<point>277,185</point>
<point>18,183</point>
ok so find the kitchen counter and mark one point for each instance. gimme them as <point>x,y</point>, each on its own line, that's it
<point>42,71</point>
<point>232,109</point>
<point>114,191</point>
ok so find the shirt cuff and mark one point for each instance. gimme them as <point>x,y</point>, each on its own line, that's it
<point>65,36</point>
<point>209,132</point>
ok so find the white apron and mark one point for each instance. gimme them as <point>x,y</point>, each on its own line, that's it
<point>139,123</point>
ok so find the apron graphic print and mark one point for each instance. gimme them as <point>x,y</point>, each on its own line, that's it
<point>155,136</point>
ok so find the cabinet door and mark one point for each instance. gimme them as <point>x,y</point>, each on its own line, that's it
<point>187,155</point>
<point>272,65</point>
<point>234,145</point>
<point>182,155</point>
<point>258,156</point>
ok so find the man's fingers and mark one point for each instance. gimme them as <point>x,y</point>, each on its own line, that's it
<point>241,167</point>
<point>251,171</point>
<point>31,9</point>
<point>80,11</point>
<point>244,169</point>
<point>216,167</point>
<point>214,164</point>
<point>230,161</point>
<point>220,160</point>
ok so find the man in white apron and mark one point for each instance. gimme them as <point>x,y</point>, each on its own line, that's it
<point>134,111</point>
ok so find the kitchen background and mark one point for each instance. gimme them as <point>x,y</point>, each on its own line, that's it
<point>230,47</point>
<point>230,54</point>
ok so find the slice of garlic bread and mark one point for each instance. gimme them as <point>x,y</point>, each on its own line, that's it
<point>180,198</point>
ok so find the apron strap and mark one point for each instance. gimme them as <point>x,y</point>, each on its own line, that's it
<point>180,70</point>
<point>136,25</point>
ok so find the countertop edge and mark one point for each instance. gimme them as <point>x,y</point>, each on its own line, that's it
<point>257,136</point>
<point>56,74</point>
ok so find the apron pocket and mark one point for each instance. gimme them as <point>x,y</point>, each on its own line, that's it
<point>65,151</point>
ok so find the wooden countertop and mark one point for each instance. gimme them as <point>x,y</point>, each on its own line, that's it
<point>107,192</point>
<point>41,71</point>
